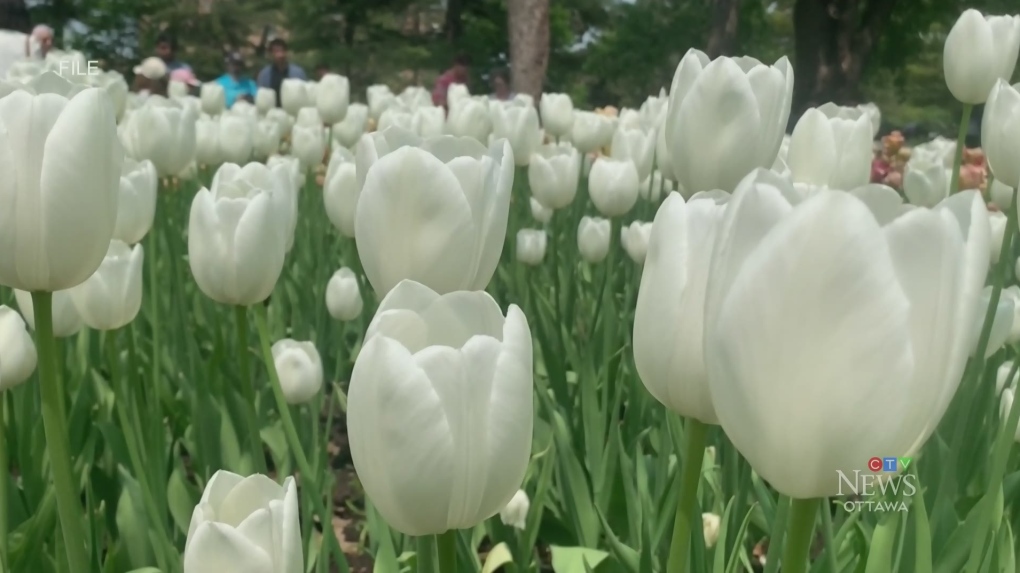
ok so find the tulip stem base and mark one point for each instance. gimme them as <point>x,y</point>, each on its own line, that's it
<point>425,554</point>
<point>55,429</point>
<point>695,435</point>
<point>800,534</point>
<point>961,144</point>
<point>446,544</point>
<point>309,478</point>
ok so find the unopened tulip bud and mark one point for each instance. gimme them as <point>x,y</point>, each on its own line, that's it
<point>136,205</point>
<point>1002,379</point>
<point>710,522</point>
<point>634,238</point>
<point>1002,323</point>
<point>343,297</point>
<point>531,245</point>
<point>613,186</point>
<point>997,220</point>
<point>66,320</point>
<point>980,50</point>
<point>213,98</point>
<point>637,145</point>
<point>294,95</point>
<point>540,212</point>
<point>557,113</point>
<point>112,296</point>
<point>593,238</point>
<point>17,350</point>
<point>332,97</point>
<point>553,174</point>
<point>300,370</point>
<point>515,514</point>
<point>925,183</point>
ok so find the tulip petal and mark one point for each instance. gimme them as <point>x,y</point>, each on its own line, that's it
<point>217,548</point>
<point>253,493</point>
<point>828,265</point>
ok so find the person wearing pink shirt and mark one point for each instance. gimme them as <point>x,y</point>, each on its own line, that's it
<point>457,74</point>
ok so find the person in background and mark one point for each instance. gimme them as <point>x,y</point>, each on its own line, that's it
<point>279,69</point>
<point>236,85</point>
<point>166,50</point>
<point>457,74</point>
<point>17,46</point>
<point>40,42</point>
<point>186,77</point>
<point>150,77</point>
<point>500,80</point>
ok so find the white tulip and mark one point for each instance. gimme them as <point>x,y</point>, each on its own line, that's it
<point>710,524</point>
<point>829,150</point>
<point>340,192</point>
<point>349,131</point>
<point>726,117</point>
<point>332,97</point>
<point>380,98</point>
<point>265,100</point>
<point>17,350</point>
<point>294,95</point>
<point>593,238</point>
<point>308,145</point>
<point>207,141</point>
<point>162,131</point>
<point>470,118</point>
<point>299,368</point>
<point>434,210</point>
<point>1000,133</point>
<point>979,51</point>
<point>634,238</point>
<point>637,146</point>
<point>1002,322</point>
<point>213,98</point>
<point>245,525</point>
<point>443,384</point>
<point>456,93</point>
<point>997,223</point>
<point>282,119</point>
<point>540,212</point>
<point>591,131</point>
<point>343,296</point>
<point>236,138</point>
<point>515,514</point>
<point>1002,381</point>
<point>613,186</point>
<point>519,126</point>
<point>265,139</point>
<point>136,205</point>
<point>925,183</point>
<point>431,121</point>
<point>530,247</point>
<point>557,113</point>
<point>112,296</point>
<point>553,174</point>
<point>66,320</point>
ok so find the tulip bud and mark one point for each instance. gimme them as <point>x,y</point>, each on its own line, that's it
<point>17,350</point>
<point>997,221</point>
<point>979,51</point>
<point>162,131</point>
<point>245,524</point>
<point>136,204</point>
<point>540,212</point>
<point>430,401</point>
<point>557,113</point>
<point>308,145</point>
<point>349,131</point>
<point>710,523</point>
<point>875,115</point>
<point>66,320</point>
<point>465,226</point>
<point>553,174</point>
<point>613,186</point>
<point>112,296</point>
<point>457,93</point>
<point>380,98</point>
<point>300,370</point>
<point>515,514</point>
<point>400,117</point>
<point>266,139</point>
<point>236,138</point>
<point>340,191</point>
<point>213,98</point>
<point>1002,381</point>
<point>294,95</point>
<point>1002,322</point>
<point>591,131</point>
<point>416,97</point>
<point>237,234</point>
<point>652,188</point>
<point>531,246</point>
<point>829,150</point>
<point>652,112</point>
<point>343,296</point>
<point>637,146</point>
<point>431,121</point>
<point>519,126</point>
<point>61,163</point>
<point>331,98</point>
<point>470,118</point>
<point>634,238</point>
<point>1000,133</point>
<point>593,238</point>
<point>207,141</point>
<point>925,183</point>
<point>747,118</point>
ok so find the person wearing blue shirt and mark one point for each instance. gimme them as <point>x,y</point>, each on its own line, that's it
<point>235,84</point>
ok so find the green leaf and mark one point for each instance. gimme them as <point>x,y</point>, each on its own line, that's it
<point>883,543</point>
<point>180,500</point>
<point>575,559</point>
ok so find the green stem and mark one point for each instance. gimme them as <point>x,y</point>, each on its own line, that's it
<point>447,548</point>
<point>961,144</point>
<point>425,555</point>
<point>248,390</point>
<point>4,474</point>
<point>307,475</point>
<point>55,428</point>
<point>829,535</point>
<point>689,480</point>
<point>777,535</point>
<point>800,534</point>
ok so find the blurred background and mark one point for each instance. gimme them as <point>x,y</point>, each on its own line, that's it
<point>601,52</point>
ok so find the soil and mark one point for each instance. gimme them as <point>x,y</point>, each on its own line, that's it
<point>346,523</point>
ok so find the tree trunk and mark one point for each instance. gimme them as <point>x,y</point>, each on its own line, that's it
<point>453,27</point>
<point>14,16</point>
<point>528,22</point>
<point>722,38</point>
<point>834,39</point>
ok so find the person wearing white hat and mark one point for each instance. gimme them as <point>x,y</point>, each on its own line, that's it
<point>150,77</point>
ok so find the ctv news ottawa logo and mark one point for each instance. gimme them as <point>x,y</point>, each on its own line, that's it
<point>880,488</point>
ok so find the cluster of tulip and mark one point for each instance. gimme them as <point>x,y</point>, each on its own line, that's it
<point>811,334</point>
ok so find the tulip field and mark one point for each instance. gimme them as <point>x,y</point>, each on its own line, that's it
<point>508,336</point>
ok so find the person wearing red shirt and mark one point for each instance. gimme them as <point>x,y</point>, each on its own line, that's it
<point>457,74</point>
